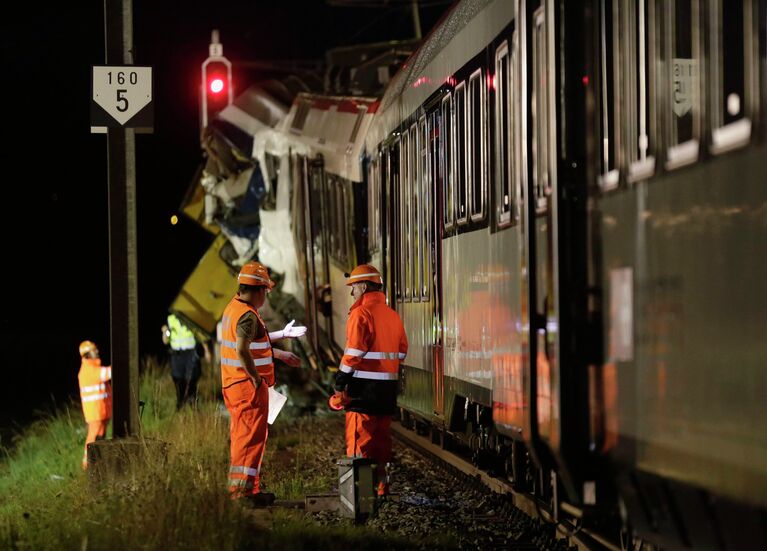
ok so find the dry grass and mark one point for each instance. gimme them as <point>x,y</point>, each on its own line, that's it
<point>173,501</point>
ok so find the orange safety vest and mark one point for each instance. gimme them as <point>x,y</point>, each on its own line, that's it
<point>232,370</point>
<point>95,390</point>
<point>375,346</point>
<point>375,340</point>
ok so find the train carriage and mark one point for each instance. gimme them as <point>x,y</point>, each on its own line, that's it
<point>322,136</point>
<point>468,133</point>
<point>566,201</point>
<point>678,146</point>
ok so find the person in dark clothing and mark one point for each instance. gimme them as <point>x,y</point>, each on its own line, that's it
<point>185,365</point>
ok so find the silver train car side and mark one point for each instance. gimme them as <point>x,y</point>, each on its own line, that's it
<point>567,202</point>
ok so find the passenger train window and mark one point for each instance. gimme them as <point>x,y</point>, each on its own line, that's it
<point>681,58</point>
<point>477,144</point>
<point>415,213</point>
<point>394,156</point>
<point>607,108</point>
<point>636,46</point>
<point>374,191</point>
<point>446,164</point>
<point>540,112</point>
<point>361,111</point>
<point>338,226</point>
<point>343,207</point>
<point>347,224</point>
<point>504,135</point>
<point>404,225</point>
<point>436,136</point>
<point>732,56</point>
<point>424,172</point>
<point>330,209</point>
<point>459,153</point>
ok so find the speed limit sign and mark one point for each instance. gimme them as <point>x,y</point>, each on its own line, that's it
<point>121,96</point>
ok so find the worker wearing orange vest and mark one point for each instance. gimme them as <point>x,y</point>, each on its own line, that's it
<point>367,379</point>
<point>247,370</point>
<point>95,394</point>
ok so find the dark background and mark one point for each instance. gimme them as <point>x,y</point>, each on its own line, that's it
<point>55,290</point>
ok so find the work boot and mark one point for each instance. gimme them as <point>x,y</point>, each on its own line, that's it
<point>261,499</point>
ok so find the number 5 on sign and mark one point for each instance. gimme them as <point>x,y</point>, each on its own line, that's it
<point>121,96</point>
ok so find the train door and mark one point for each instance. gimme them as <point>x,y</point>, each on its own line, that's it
<point>437,164</point>
<point>553,243</point>
<point>318,303</point>
<point>390,220</point>
<point>540,233</point>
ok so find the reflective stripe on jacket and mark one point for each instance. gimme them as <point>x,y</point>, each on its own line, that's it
<point>376,344</point>
<point>232,370</point>
<point>181,337</point>
<point>95,389</point>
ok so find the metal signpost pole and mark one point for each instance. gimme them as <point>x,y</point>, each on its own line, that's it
<point>121,154</point>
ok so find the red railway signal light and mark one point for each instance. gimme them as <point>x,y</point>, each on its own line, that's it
<point>216,85</point>
<point>216,82</point>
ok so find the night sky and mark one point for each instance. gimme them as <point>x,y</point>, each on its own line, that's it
<point>54,176</point>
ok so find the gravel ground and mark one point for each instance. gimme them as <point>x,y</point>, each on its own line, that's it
<point>437,509</point>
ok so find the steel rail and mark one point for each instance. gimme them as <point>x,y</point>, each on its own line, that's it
<point>584,539</point>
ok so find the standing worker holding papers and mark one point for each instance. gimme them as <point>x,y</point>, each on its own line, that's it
<point>247,370</point>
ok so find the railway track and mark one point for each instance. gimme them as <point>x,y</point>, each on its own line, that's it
<point>541,531</point>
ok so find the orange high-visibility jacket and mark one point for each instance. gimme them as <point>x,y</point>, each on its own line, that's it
<point>95,390</point>
<point>375,345</point>
<point>232,370</point>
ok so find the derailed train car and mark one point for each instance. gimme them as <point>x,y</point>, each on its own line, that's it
<point>567,203</point>
<point>322,139</point>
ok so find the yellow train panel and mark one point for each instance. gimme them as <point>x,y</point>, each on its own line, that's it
<point>208,290</point>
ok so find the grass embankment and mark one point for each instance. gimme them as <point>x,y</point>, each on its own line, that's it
<point>47,501</point>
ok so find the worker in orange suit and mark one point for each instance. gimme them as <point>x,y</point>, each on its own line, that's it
<point>95,394</point>
<point>367,379</point>
<point>247,370</point>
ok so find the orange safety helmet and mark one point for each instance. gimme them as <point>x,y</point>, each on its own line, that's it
<point>86,347</point>
<point>255,273</point>
<point>364,272</point>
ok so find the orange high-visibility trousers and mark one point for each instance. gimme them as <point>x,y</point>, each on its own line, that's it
<point>248,409</point>
<point>370,436</point>
<point>96,431</point>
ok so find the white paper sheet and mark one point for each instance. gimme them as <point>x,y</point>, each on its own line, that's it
<point>276,401</point>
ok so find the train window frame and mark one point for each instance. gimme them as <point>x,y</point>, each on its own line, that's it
<point>361,112</point>
<point>459,156</point>
<point>350,249</point>
<point>503,149</point>
<point>681,153</point>
<point>404,227</point>
<point>508,188</point>
<point>541,140</point>
<point>343,222</point>
<point>476,87</point>
<point>726,136</point>
<point>337,226</point>
<point>436,125</point>
<point>415,215</point>
<point>374,190</point>
<point>446,163</point>
<point>303,106</point>
<point>609,108</point>
<point>636,82</point>
<point>395,191</point>
<point>424,226</point>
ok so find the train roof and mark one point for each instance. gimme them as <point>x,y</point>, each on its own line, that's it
<point>464,32</point>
